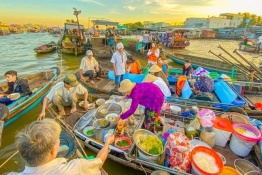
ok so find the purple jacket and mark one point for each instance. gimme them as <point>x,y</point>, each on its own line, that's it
<point>146,94</point>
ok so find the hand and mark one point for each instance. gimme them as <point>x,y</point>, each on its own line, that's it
<point>41,116</point>
<point>110,139</point>
<point>86,106</point>
<point>97,69</point>
<point>115,74</point>
<point>1,95</point>
<point>82,78</point>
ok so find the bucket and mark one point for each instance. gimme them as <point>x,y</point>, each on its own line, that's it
<point>196,170</point>
<point>223,129</point>
<point>245,167</point>
<point>229,171</point>
<point>99,131</point>
<point>247,128</point>
<point>239,146</point>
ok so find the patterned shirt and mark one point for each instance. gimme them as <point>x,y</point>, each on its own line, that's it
<point>146,94</point>
<point>205,84</point>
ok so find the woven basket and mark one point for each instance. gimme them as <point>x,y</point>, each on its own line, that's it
<point>235,117</point>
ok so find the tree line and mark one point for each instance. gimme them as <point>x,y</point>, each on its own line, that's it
<point>250,19</point>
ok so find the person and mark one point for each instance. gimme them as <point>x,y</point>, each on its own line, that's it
<point>134,66</point>
<point>245,41</point>
<point>146,94</point>
<point>118,60</point>
<point>38,145</point>
<point>96,31</point>
<point>153,54</point>
<point>65,93</point>
<point>163,65</point>
<point>144,41</point>
<point>157,71</point>
<point>159,82</point>
<point>259,42</point>
<point>187,69</point>
<point>15,85</point>
<point>89,66</point>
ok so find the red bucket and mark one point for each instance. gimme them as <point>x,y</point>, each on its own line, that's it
<point>258,105</point>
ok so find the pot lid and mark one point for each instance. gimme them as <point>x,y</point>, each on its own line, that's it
<point>223,124</point>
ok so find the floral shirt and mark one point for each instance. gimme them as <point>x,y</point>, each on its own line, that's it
<point>205,84</point>
<point>146,94</point>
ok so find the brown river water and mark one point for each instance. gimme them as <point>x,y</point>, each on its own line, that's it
<point>16,53</point>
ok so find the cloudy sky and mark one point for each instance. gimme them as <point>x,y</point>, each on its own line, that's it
<point>55,12</point>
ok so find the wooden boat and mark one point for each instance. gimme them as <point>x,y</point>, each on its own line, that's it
<point>178,39</point>
<point>130,158</point>
<point>73,39</point>
<point>248,48</point>
<point>39,83</point>
<point>209,64</point>
<point>46,48</point>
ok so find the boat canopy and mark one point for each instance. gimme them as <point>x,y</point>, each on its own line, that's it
<point>104,22</point>
<point>69,26</point>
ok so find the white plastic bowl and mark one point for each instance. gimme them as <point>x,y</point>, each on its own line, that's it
<point>175,109</point>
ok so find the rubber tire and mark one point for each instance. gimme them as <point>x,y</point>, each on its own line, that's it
<point>4,112</point>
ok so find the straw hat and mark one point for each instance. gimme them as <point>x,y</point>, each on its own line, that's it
<point>150,78</point>
<point>155,68</point>
<point>126,85</point>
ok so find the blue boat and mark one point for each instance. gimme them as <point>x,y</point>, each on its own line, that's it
<point>39,83</point>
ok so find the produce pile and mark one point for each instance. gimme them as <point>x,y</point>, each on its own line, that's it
<point>150,144</point>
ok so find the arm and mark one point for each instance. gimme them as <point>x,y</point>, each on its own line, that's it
<point>10,89</point>
<point>103,153</point>
<point>42,114</point>
<point>113,61</point>
<point>149,52</point>
<point>81,74</point>
<point>85,100</point>
<point>157,53</point>
<point>24,88</point>
<point>132,109</point>
<point>114,67</point>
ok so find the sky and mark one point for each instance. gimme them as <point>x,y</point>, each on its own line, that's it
<point>55,12</point>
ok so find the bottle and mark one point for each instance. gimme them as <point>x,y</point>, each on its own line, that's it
<point>208,135</point>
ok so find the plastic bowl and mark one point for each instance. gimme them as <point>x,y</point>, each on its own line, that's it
<point>125,148</point>
<point>111,117</point>
<point>100,101</point>
<point>88,128</point>
<point>175,109</point>
<point>244,166</point>
<point>14,96</point>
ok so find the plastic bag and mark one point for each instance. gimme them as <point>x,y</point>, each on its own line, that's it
<point>207,117</point>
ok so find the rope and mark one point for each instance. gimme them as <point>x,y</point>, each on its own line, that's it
<point>143,168</point>
<point>9,158</point>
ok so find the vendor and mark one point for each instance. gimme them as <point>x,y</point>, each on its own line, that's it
<point>158,72</point>
<point>146,94</point>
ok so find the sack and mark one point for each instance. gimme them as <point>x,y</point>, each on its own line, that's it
<point>205,96</point>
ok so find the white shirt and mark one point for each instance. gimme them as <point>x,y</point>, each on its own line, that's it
<point>120,62</point>
<point>88,64</point>
<point>260,39</point>
<point>60,166</point>
<point>59,89</point>
<point>145,38</point>
<point>163,87</point>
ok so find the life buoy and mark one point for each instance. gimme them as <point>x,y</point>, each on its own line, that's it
<point>179,85</point>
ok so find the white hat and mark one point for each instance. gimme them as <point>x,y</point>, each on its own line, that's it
<point>119,45</point>
<point>89,52</point>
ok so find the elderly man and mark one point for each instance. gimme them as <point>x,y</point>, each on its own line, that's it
<point>38,145</point>
<point>119,63</point>
<point>15,85</point>
<point>89,66</point>
<point>65,94</point>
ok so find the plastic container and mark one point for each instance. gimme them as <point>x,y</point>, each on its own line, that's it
<point>99,131</point>
<point>245,167</point>
<point>175,109</point>
<point>258,105</point>
<point>209,136</point>
<point>186,91</point>
<point>224,92</point>
<point>229,171</point>
<point>111,117</point>
<point>249,128</point>
<point>199,171</point>
<point>235,117</point>
<point>240,146</point>
<point>223,129</point>
<point>126,139</point>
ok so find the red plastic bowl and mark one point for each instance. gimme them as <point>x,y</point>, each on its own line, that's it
<point>121,147</point>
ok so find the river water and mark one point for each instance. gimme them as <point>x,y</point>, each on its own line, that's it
<point>16,53</point>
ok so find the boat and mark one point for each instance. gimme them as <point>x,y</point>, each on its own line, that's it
<point>46,48</point>
<point>73,39</point>
<point>130,156</point>
<point>4,29</point>
<point>248,48</point>
<point>39,83</point>
<point>211,65</point>
<point>100,45</point>
<point>177,39</point>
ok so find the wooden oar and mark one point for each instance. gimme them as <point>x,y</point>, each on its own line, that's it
<point>248,62</point>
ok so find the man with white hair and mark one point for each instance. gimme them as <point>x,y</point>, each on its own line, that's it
<point>89,66</point>
<point>119,63</point>
<point>38,145</point>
